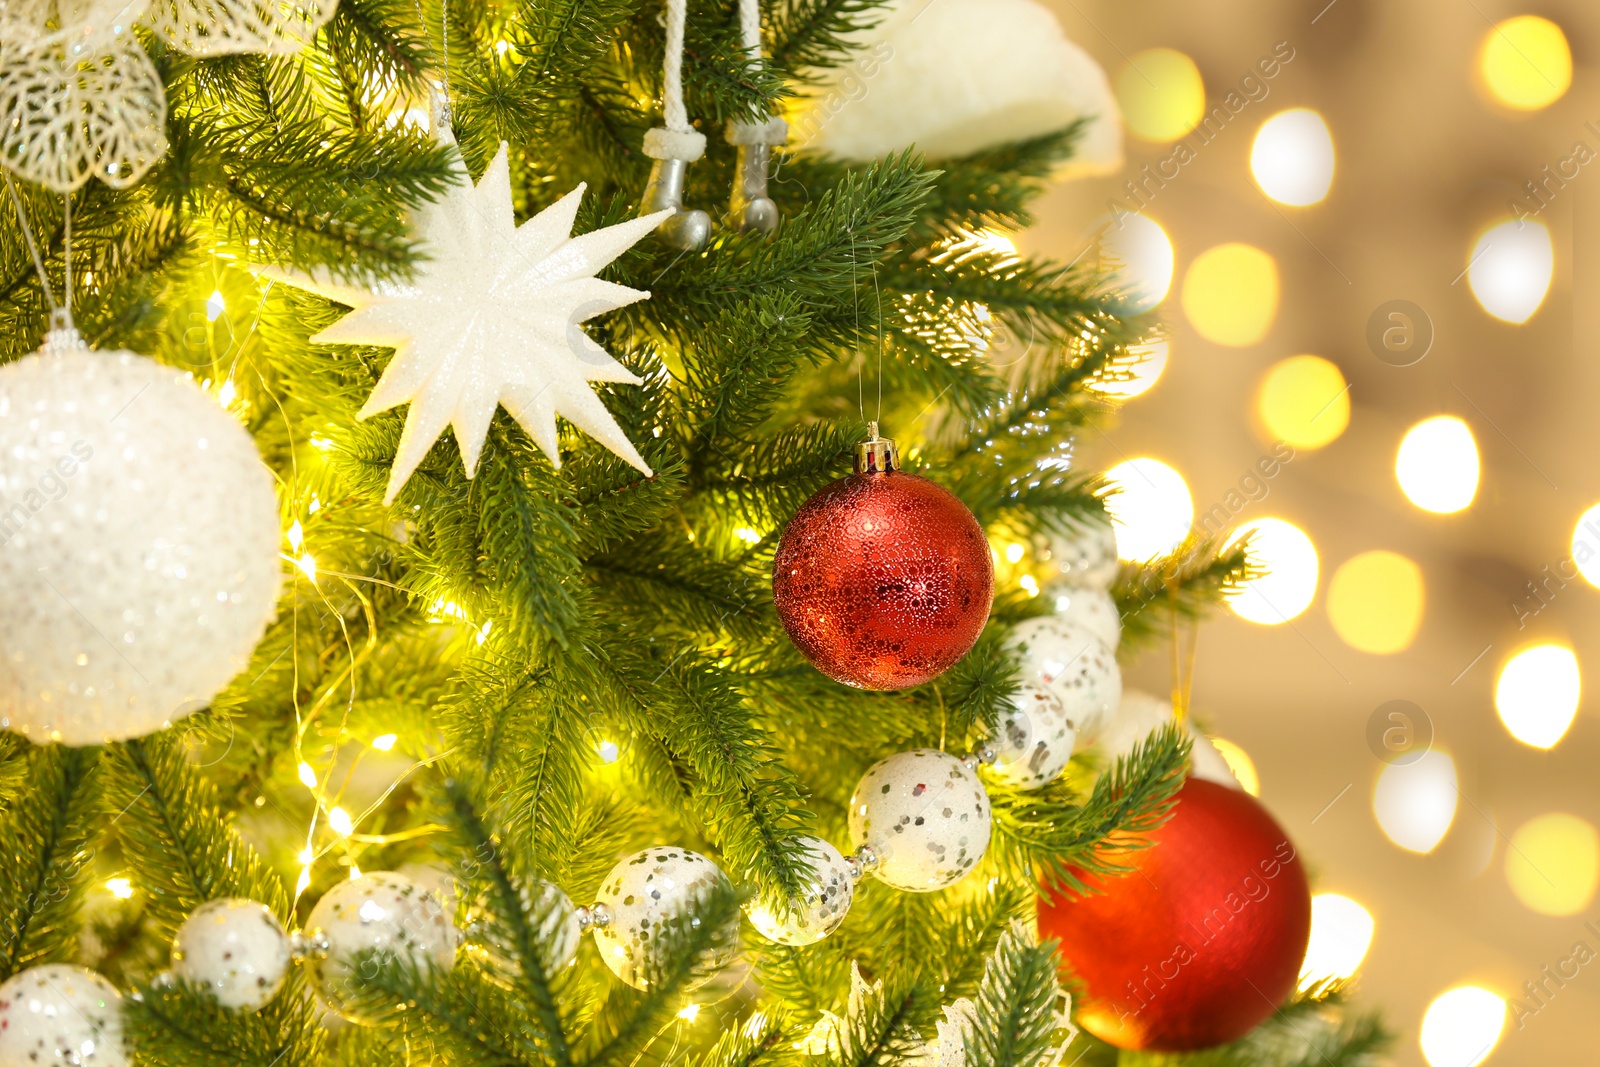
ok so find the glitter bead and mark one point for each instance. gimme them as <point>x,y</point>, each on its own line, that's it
<point>651,893</point>
<point>235,948</point>
<point>1073,664</point>
<point>60,1016</point>
<point>818,912</point>
<point>382,911</point>
<point>924,815</point>
<point>1087,607</point>
<point>1035,738</point>
<point>138,546</point>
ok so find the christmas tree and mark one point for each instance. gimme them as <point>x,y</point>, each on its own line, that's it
<point>512,652</point>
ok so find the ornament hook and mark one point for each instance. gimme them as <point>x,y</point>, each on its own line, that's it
<point>876,455</point>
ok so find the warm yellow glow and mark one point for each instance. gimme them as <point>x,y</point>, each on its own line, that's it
<point>1289,558</point>
<point>747,535</point>
<point>308,777</point>
<point>1151,510</point>
<point>228,393</point>
<point>1375,602</point>
<point>1341,933</point>
<point>1304,401</point>
<point>1461,1027</point>
<point>1014,553</point>
<point>1230,294</point>
<point>689,1012</point>
<point>1292,158</point>
<point>1510,269</point>
<point>1416,802</point>
<point>1138,253</point>
<point>121,888</point>
<point>307,565</point>
<point>608,751</point>
<point>1139,375</point>
<point>385,742</point>
<point>295,535</point>
<point>355,872</point>
<point>1438,465</point>
<point>1030,585</point>
<point>1161,94</point>
<point>1526,63</point>
<point>1553,864</point>
<point>215,305</point>
<point>339,822</point>
<point>305,857</point>
<point>1537,694</point>
<point>1240,763</point>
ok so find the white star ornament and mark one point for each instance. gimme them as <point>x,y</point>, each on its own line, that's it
<point>491,319</point>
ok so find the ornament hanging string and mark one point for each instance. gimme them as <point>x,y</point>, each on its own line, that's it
<point>855,300</point>
<point>33,246</point>
<point>676,114</point>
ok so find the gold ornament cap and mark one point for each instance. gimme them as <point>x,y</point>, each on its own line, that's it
<point>876,455</point>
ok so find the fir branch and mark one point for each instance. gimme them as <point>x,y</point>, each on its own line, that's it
<point>761,1042</point>
<point>1014,1022</point>
<point>883,1027</point>
<point>982,927</point>
<point>46,844</point>
<point>1187,586</point>
<point>175,1024</point>
<point>807,36</point>
<point>667,582</point>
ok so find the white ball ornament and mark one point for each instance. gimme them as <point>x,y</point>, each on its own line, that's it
<point>1034,740</point>
<point>1075,665</point>
<point>1139,714</point>
<point>1087,607</point>
<point>655,892</point>
<point>1085,552</point>
<point>60,1015</point>
<point>924,815</point>
<point>235,948</point>
<point>138,545</point>
<point>818,913</point>
<point>383,912</point>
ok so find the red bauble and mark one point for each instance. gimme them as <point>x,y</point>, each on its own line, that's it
<point>883,579</point>
<point>1205,938</point>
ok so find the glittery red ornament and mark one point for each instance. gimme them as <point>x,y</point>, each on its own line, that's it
<point>883,579</point>
<point>1203,941</point>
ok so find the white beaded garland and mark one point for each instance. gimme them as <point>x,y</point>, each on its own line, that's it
<point>140,545</point>
<point>383,911</point>
<point>1085,552</point>
<point>235,948</point>
<point>924,815</point>
<point>1035,738</point>
<point>1075,665</point>
<point>1087,607</point>
<point>818,913</point>
<point>650,893</point>
<point>60,1015</point>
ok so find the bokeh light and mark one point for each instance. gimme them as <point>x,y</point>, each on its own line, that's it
<point>1151,509</point>
<point>1240,763</point>
<point>1511,268</point>
<point>1341,933</point>
<point>1292,157</point>
<point>1462,1026</point>
<point>1161,94</point>
<point>1586,545</point>
<point>1526,63</point>
<point>1230,294</point>
<point>1375,602</point>
<point>1553,864</point>
<point>1304,401</point>
<point>1139,252</point>
<point>1139,376</point>
<point>1289,559</point>
<point>1537,694</point>
<point>1415,802</point>
<point>1438,465</point>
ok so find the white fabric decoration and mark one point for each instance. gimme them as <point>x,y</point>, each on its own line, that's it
<point>955,77</point>
<point>491,318</point>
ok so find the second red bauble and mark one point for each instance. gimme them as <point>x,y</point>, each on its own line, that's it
<point>1203,941</point>
<point>883,579</point>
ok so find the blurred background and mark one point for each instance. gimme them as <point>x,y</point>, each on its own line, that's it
<point>1372,228</point>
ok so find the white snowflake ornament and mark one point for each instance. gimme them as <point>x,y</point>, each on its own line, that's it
<point>491,318</point>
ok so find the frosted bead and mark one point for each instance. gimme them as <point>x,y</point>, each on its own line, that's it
<point>139,543</point>
<point>924,815</point>
<point>653,892</point>
<point>383,911</point>
<point>1035,738</point>
<point>1085,552</point>
<point>1073,664</point>
<point>60,1016</point>
<point>816,914</point>
<point>1087,607</point>
<point>235,948</point>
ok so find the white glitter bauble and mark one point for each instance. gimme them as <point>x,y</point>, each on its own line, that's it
<point>829,891</point>
<point>235,948</point>
<point>1088,608</point>
<point>1085,552</point>
<point>924,815</point>
<point>557,929</point>
<point>1075,665</point>
<point>1138,715</point>
<point>63,1015</point>
<point>382,911</point>
<point>649,892</point>
<point>138,546</point>
<point>1035,738</point>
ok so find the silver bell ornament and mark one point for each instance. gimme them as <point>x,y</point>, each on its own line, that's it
<point>384,912</point>
<point>830,889</point>
<point>60,1016</point>
<point>751,209</point>
<point>651,893</point>
<point>236,949</point>
<point>924,817</point>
